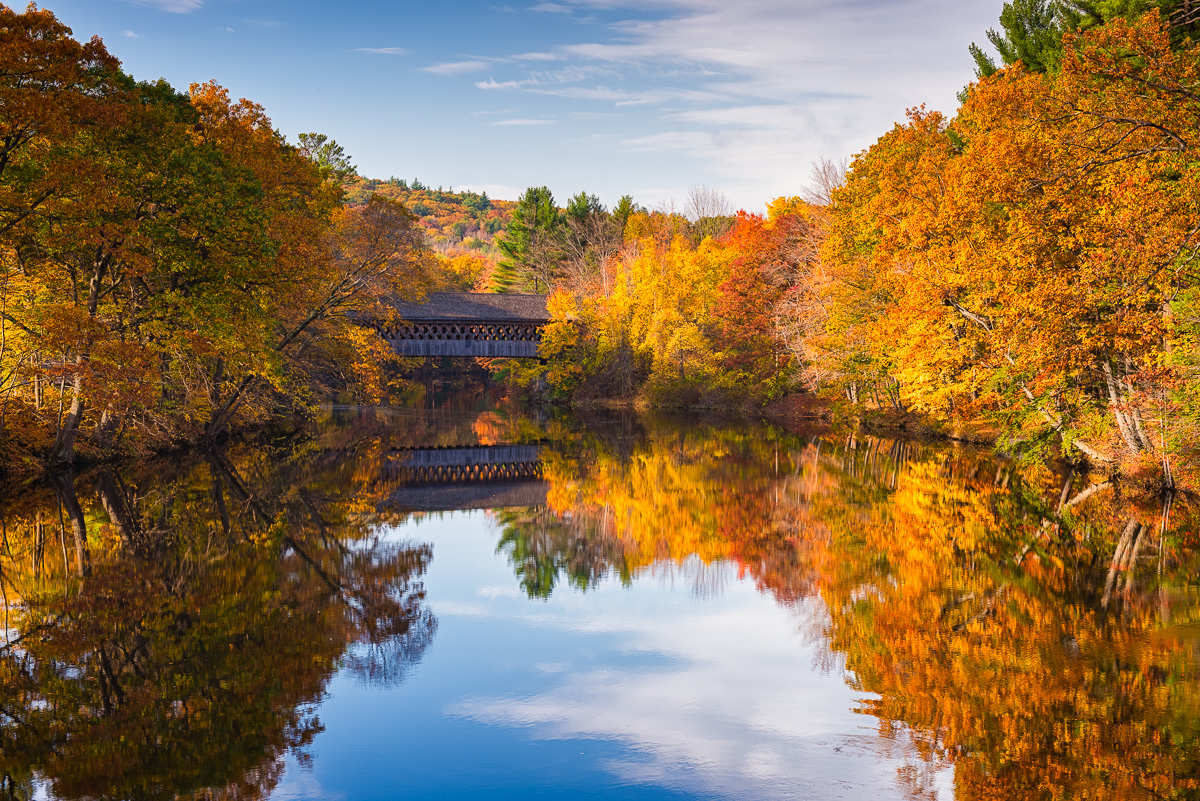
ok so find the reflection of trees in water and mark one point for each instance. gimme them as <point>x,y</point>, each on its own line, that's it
<point>1032,630</point>
<point>1017,625</point>
<point>545,547</point>
<point>170,636</point>
<point>653,497</point>
<point>458,420</point>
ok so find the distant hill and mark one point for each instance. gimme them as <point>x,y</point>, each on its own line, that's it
<point>453,221</point>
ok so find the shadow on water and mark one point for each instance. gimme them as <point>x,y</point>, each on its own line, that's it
<point>169,632</point>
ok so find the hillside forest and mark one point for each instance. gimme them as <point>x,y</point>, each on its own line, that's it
<point>174,269</point>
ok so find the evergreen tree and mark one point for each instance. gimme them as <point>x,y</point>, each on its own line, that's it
<point>530,245</point>
<point>1033,29</point>
<point>1031,35</point>
<point>327,154</point>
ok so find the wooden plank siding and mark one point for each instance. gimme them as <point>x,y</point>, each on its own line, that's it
<point>467,325</point>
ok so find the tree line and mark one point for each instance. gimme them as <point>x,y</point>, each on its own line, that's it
<point>170,266</point>
<point>1029,262</point>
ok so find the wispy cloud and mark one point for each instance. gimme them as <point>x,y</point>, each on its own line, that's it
<point>523,122</point>
<point>173,6</point>
<point>537,57</point>
<point>459,67</point>
<point>382,51</point>
<point>763,87</point>
<point>605,94</point>
<point>128,34</point>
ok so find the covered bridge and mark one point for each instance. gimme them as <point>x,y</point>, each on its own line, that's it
<point>468,324</point>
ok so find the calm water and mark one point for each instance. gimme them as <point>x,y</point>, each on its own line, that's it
<point>478,602</point>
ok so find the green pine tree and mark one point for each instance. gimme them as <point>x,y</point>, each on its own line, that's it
<point>529,245</point>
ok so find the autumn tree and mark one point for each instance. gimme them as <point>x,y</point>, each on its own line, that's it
<point>171,266</point>
<point>51,87</point>
<point>1023,257</point>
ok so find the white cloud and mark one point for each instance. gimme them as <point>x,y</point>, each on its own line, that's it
<point>458,67</point>
<point>537,57</point>
<point>382,51</point>
<point>758,90</point>
<point>551,8</point>
<point>618,97</point>
<point>173,6</point>
<point>523,122</point>
<point>128,34</point>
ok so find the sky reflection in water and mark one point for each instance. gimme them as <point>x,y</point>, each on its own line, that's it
<point>693,610</point>
<point>648,691</point>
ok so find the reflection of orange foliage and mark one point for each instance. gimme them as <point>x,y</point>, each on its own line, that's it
<point>660,505</point>
<point>491,428</point>
<point>970,614</point>
<point>969,610</point>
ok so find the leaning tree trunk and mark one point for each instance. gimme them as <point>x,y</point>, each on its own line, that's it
<point>63,451</point>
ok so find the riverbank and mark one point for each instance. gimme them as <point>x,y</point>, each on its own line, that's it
<point>806,407</point>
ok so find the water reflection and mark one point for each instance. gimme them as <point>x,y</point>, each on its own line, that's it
<point>169,635</point>
<point>1032,633</point>
<point>1033,630</point>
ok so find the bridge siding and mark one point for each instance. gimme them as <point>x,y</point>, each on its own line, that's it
<point>467,496</point>
<point>475,454</point>
<point>467,325</point>
<point>466,348</point>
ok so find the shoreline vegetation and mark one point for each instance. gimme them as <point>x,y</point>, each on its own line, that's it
<point>1023,273</point>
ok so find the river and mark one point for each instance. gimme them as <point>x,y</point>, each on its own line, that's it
<point>479,600</point>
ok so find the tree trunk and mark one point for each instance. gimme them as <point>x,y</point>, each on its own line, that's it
<point>63,451</point>
<point>1115,402</point>
<point>64,487</point>
<point>106,429</point>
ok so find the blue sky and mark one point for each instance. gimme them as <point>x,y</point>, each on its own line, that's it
<point>606,96</point>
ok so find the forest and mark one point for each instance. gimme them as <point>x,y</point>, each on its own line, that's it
<point>172,267</point>
<point>1022,271</point>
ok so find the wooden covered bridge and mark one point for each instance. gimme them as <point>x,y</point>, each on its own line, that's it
<point>467,325</point>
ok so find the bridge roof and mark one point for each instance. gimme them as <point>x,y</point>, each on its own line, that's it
<point>482,306</point>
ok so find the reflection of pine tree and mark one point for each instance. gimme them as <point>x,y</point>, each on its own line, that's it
<point>544,547</point>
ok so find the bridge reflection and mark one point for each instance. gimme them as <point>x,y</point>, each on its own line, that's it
<point>473,477</point>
